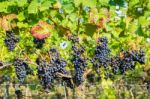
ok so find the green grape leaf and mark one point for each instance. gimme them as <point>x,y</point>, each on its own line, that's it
<point>77,2</point>
<point>21,16</point>
<point>45,5</point>
<point>139,31</point>
<point>90,29</point>
<point>22,25</point>
<point>143,21</point>
<point>68,8</point>
<point>64,22</point>
<point>89,3</point>
<point>33,7</point>
<point>21,3</point>
<point>103,2</point>
<point>53,13</point>
<point>133,3</point>
<point>72,17</point>
<point>66,1</point>
<point>3,6</point>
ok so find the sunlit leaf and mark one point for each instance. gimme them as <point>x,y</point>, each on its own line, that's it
<point>90,3</point>
<point>33,7</point>
<point>21,3</point>
<point>68,8</point>
<point>3,6</point>
<point>45,5</point>
<point>78,2</point>
<point>22,25</point>
<point>21,16</point>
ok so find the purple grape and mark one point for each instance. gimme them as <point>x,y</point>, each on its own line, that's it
<point>10,40</point>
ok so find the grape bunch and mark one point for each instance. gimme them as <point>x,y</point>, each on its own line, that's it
<point>78,60</point>
<point>59,63</point>
<point>10,40</point>
<point>44,74</point>
<point>47,72</point>
<point>127,61</point>
<point>102,55</point>
<point>73,38</point>
<point>138,56</point>
<point>119,63</point>
<point>79,65</point>
<point>115,64</point>
<point>38,43</point>
<point>22,69</point>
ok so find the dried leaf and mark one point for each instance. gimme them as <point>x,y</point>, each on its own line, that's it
<point>5,24</point>
<point>11,16</point>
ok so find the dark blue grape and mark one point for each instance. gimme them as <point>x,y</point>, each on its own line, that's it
<point>102,55</point>
<point>38,43</point>
<point>78,60</point>
<point>47,71</point>
<point>10,40</point>
<point>128,61</point>
<point>22,69</point>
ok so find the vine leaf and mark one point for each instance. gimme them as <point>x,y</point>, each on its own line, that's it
<point>89,3</point>
<point>90,29</point>
<point>45,5</point>
<point>5,22</point>
<point>33,7</point>
<point>21,3</point>
<point>68,8</point>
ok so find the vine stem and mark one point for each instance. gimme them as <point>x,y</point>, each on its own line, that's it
<point>28,60</point>
<point>62,75</point>
<point>65,91</point>
<point>87,72</point>
<point>4,66</point>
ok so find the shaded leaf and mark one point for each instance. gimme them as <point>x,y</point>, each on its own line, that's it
<point>90,29</point>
